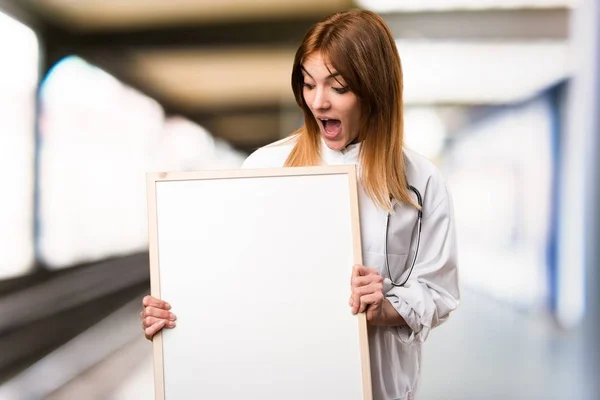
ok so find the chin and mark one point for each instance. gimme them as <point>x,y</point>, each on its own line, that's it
<point>337,144</point>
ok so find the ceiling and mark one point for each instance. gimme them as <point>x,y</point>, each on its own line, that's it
<point>226,63</point>
<point>110,15</point>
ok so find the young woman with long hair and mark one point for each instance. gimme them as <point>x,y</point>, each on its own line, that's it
<point>347,79</point>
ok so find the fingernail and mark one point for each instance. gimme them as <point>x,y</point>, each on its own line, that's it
<point>172,317</point>
<point>168,306</point>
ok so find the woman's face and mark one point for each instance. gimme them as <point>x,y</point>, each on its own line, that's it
<point>335,108</point>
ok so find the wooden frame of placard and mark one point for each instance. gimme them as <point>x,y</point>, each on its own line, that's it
<point>224,176</point>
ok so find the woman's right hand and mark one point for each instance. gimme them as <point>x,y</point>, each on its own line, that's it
<point>155,316</point>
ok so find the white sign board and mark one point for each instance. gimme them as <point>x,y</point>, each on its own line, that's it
<point>256,265</point>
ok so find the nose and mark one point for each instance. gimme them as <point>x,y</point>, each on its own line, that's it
<point>320,100</point>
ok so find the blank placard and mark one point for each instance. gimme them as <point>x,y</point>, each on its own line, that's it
<point>257,265</point>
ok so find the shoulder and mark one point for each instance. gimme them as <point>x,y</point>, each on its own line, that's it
<point>418,166</point>
<point>428,179</point>
<point>272,155</point>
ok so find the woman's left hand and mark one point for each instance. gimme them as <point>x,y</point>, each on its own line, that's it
<point>367,293</point>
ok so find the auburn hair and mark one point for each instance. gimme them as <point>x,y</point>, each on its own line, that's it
<point>359,45</point>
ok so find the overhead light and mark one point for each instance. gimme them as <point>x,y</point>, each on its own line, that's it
<point>131,14</point>
<point>18,81</point>
<point>445,72</point>
<point>20,48</point>
<point>435,72</point>
<point>454,5</point>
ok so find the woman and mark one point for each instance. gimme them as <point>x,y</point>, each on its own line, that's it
<point>347,79</point>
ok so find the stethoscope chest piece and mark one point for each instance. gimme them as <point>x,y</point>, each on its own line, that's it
<point>387,285</point>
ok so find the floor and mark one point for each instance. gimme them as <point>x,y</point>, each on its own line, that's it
<point>487,350</point>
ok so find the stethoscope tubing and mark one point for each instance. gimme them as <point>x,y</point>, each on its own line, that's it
<point>416,253</point>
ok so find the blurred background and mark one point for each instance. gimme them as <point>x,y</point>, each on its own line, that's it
<point>501,95</point>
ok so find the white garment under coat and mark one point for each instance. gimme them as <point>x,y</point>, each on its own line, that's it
<point>432,291</point>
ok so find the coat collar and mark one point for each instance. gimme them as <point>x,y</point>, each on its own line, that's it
<point>348,155</point>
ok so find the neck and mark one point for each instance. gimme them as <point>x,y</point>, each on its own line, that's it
<point>354,141</point>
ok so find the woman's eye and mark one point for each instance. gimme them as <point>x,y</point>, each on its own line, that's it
<point>308,85</point>
<point>341,90</point>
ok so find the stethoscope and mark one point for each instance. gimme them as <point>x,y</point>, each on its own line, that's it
<point>389,280</point>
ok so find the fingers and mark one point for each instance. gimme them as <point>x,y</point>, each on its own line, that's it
<point>362,285</point>
<point>366,280</point>
<point>153,329</point>
<point>372,300</point>
<point>149,321</point>
<point>149,301</point>
<point>361,270</point>
<point>374,287</point>
<point>363,276</point>
<point>158,313</point>
<point>156,316</point>
<point>359,298</point>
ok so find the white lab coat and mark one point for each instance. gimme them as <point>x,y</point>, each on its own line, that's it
<point>432,291</point>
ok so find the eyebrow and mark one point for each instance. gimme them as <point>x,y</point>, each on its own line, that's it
<point>333,75</point>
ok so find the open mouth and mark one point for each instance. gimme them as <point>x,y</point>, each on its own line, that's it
<point>331,127</point>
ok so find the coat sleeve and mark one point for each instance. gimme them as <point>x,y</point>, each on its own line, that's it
<point>432,291</point>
